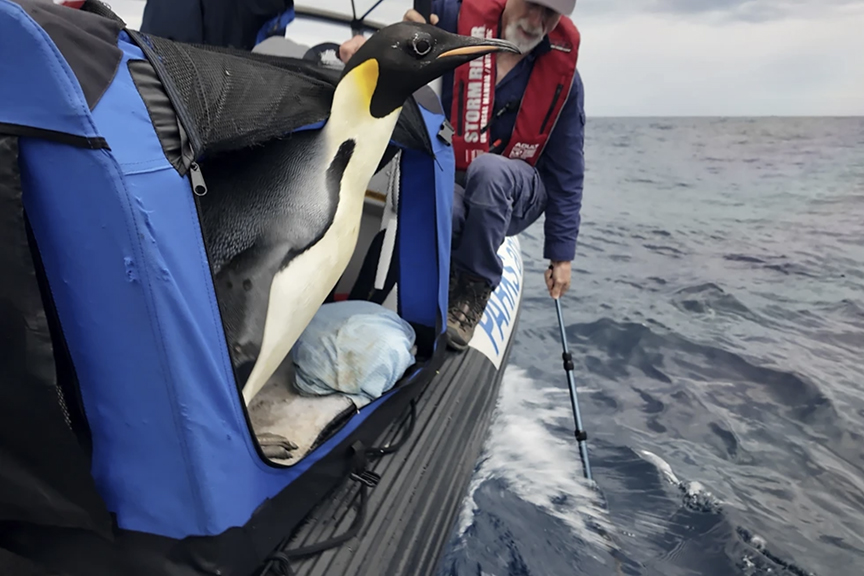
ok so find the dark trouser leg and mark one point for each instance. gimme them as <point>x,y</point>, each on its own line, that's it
<point>501,198</point>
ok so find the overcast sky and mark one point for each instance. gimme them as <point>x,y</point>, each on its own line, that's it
<point>697,57</point>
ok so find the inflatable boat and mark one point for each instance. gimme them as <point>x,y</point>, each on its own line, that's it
<point>126,446</point>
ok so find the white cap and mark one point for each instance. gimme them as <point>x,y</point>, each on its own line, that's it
<point>564,7</point>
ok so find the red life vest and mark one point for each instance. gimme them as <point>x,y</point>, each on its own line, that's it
<point>474,88</point>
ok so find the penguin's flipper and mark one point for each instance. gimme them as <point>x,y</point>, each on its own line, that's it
<point>308,274</point>
<point>263,206</point>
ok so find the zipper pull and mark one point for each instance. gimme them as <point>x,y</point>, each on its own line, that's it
<point>198,185</point>
<point>506,108</point>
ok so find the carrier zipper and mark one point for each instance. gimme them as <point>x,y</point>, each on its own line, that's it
<point>198,185</point>
<point>551,107</point>
<point>504,109</point>
<point>460,120</point>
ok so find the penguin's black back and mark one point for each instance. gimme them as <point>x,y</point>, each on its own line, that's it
<point>264,205</point>
<point>268,193</point>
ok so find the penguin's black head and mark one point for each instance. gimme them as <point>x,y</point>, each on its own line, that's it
<point>409,55</point>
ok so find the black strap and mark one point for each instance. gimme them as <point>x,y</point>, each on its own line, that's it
<point>364,285</point>
<point>281,559</point>
<point>391,448</point>
<point>92,143</point>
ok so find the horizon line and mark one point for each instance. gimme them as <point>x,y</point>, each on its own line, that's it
<point>820,116</point>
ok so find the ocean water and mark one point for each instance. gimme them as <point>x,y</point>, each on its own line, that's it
<point>716,318</point>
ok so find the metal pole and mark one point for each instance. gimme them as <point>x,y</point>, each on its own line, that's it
<point>581,436</point>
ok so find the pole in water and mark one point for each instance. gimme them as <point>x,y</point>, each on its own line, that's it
<point>581,435</point>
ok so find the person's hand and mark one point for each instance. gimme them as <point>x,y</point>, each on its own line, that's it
<point>414,16</point>
<point>349,47</point>
<point>558,278</point>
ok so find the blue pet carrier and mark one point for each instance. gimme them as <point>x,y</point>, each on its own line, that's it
<point>107,143</point>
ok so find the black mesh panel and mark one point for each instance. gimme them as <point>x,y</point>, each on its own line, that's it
<point>230,99</point>
<point>44,472</point>
<point>227,102</point>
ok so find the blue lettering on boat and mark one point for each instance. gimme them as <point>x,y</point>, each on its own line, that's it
<point>500,309</point>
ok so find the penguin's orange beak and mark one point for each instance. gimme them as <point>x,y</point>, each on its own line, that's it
<point>483,46</point>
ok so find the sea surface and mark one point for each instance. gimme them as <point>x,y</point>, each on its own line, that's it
<point>716,318</point>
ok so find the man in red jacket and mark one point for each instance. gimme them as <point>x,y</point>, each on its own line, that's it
<point>519,130</point>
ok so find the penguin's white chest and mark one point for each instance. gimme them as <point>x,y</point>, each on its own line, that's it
<point>298,290</point>
<point>320,267</point>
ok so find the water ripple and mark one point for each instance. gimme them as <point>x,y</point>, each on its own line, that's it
<point>716,319</point>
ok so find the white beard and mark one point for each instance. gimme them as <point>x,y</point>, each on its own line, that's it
<point>514,35</point>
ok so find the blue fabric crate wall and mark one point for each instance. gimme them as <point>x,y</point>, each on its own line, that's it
<point>118,233</point>
<point>427,214</point>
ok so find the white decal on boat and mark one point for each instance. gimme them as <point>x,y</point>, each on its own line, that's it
<point>496,326</point>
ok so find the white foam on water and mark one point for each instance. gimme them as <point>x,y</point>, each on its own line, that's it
<point>661,465</point>
<point>537,465</point>
<point>758,542</point>
<point>695,488</point>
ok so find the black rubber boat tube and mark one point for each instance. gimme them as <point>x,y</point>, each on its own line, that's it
<point>581,435</point>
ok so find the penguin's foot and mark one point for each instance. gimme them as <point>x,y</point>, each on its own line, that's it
<point>276,447</point>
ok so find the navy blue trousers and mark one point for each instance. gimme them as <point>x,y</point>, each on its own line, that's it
<point>501,198</point>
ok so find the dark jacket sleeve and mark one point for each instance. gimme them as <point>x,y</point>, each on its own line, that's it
<point>233,23</point>
<point>267,8</point>
<point>179,20</point>
<point>447,12</point>
<point>562,168</point>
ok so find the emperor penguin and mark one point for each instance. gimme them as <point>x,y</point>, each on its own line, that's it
<point>281,221</point>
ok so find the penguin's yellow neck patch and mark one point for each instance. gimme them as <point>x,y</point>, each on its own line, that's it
<point>365,78</point>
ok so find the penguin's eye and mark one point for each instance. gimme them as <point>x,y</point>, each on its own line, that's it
<point>422,46</point>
